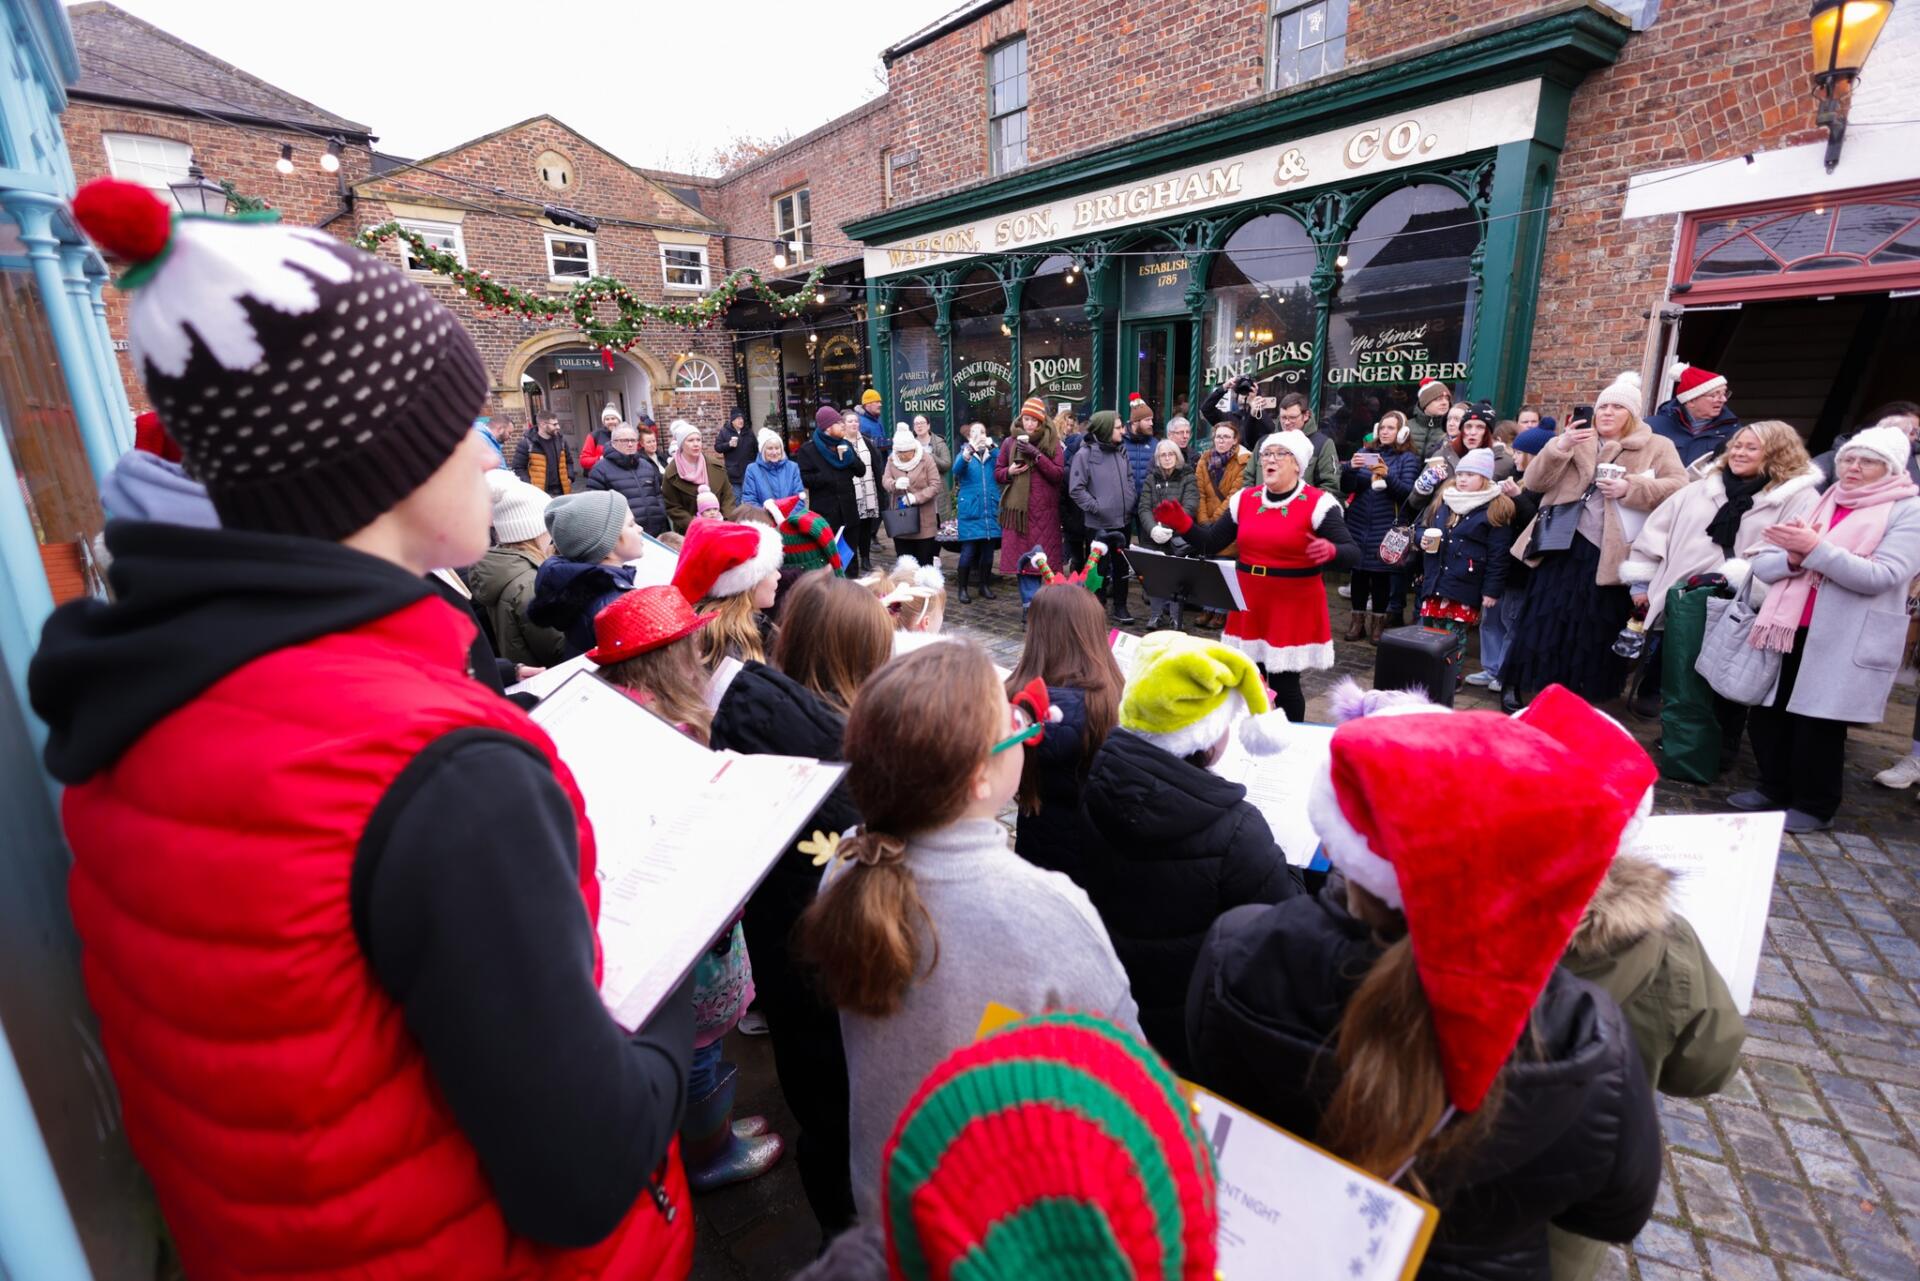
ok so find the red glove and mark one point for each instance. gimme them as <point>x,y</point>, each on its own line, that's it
<point>1320,551</point>
<point>1174,517</point>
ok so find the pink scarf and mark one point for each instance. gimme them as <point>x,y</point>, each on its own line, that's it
<point>1867,510</point>
<point>691,470</point>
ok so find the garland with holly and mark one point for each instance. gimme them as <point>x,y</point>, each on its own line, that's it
<point>581,304</point>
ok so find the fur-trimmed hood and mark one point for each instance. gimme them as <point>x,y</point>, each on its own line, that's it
<point>1634,901</point>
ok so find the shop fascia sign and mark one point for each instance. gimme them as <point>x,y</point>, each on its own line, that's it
<point>1437,132</point>
<point>1395,354</point>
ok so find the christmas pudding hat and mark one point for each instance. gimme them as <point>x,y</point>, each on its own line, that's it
<point>721,559</point>
<point>806,539</point>
<point>1185,692</point>
<point>311,386</point>
<point>1058,1146</point>
<point>1491,894</point>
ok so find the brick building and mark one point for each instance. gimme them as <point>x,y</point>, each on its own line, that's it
<point>542,207</point>
<point>1342,196</point>
<point>149,107</point>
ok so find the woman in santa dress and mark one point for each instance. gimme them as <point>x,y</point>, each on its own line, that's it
<point>1288,534</point>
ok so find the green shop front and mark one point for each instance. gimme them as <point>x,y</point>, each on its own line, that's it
<point>1344,240</point>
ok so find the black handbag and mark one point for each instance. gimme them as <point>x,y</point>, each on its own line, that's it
<point>901,521</point>
<point>1553,528</point>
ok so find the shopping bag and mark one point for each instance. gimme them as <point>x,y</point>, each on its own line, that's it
<point>1689,731</point>
<point>1738,672</point>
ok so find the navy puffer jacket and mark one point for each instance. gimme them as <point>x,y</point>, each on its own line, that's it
<point>1375,511</point>
<point>636,480</point>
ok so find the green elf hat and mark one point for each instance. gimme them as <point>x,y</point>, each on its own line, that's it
<point>1184,693</point>
<point>1058,1146</point>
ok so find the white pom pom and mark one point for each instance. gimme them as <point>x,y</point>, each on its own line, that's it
<point>1097,548</point>
<point>1265,734</point>
<point>1631,378</point>
<point>1677,368</point>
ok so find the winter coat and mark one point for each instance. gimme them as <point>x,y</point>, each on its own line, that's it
<point>1177,845</point>
<point>1214,498</point>
<point>1140,457</point>
<point>764,480</point>
<point>1373,512</point>
<point>923,486</point>
<point>1690,440</point>
<point>1825,462</point>
<point>830,488</point>
<point>545,462</point>
<point>1859,625</point>
<point>594,448</point>
<point>1674,546</point>
<point>976,497</point>
<point>736,449</point>
<point>1428,437</point>
<point>567,594</point>
<point>502,589</point>
<point>1472,561</point>
<point>1046,497</point>
<point>1101,484</point>
<point>1635,948</point>
<point>1180,488</point>
<point>942,463</point>
<point>1055,836</point>
<point>636,480</point>
<point>874,429</point>
<point>683,496</point>
<point>1559,474</point>
<point>1323,469</point>
<point>1578,1142</point>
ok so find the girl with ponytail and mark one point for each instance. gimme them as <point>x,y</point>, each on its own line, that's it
<point>1413,1019</point>
<point>925,913</point>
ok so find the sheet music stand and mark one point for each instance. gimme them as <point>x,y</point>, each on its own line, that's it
<point>1192,581</point>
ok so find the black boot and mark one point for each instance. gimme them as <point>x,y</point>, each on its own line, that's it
<point>986,580</point>
<point>1117,594</point>
<point>1510,700</point>
<point>964,598</point>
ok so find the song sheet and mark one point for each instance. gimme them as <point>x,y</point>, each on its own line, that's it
<point>1725,866</point>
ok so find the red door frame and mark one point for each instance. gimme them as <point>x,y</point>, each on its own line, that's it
<point>1790,284</point>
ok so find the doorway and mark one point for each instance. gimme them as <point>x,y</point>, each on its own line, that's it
<point>1156,360</point>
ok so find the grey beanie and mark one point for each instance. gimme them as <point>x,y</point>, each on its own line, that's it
<point>1478,462</point>
<point>586,526</point>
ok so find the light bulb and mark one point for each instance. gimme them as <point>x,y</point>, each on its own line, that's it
<point>285,163</point>
<point>883,309</point>
<point>1341,262</point>
<point>780,260</point>
<point>819,295</point>
<point>331,160</point>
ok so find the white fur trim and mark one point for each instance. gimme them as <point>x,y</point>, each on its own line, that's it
<point>1737,570</point>
<point>1203,733</point>
<point>1265,734</point>
<point>1285,658</point>
<point>1638,571</point>
<point>1712,384</point>
<point>1296,443</point>
<point>1322,505</point>
<point>212,264</point>
<point>1344,847</point>
<point>745,576</point>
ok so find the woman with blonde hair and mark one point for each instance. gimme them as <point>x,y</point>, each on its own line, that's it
<point>914,596</point>
<point>1218,476</point>
<point>731,571</point>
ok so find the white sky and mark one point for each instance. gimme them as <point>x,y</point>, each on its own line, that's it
<point>658,84</point>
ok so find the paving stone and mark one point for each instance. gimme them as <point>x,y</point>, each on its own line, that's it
<point>1731,1263</point>
<point>1690,1136</point>
<point>1655,1271</point>
<point>1664,1242</point>
<point>1841,1023</point>
<point>1791,1234</point>
<point>1801,1272</point>
<point>1825,1157</point>
<point>1739,1090</point>
<point>1665,1204</point>
<point>1869,1240</point>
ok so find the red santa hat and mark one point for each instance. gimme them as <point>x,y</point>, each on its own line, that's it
<point>1491,894</point>
<point>719,559</point>
<point>150,436</point>
<point>1691,380</point>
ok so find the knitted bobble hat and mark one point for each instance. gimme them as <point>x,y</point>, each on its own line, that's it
<point>806,539</point>
<point>1137,409</point>
<point>1625,392</point>
<point>519,509</point>
<point>586,527</point>
<point>1889,444</point>
<point>311,386</point>
<point>1185,693</point>
<point>1057,1146</point>
<point>904,441</point>
<point>1478,462</point>
<point>1431,389</point>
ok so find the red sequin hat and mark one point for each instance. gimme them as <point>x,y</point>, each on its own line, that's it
<point>643,619</point>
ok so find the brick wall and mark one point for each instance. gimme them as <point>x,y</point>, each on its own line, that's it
<point>243,156</point>
<point>502,236</point>
<point>1711,79</point>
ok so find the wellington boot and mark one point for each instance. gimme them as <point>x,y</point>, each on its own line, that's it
<point>715,1151</point>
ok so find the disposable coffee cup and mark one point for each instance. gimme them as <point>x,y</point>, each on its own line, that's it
<point>1430,539</point>
<point>1609,471</point>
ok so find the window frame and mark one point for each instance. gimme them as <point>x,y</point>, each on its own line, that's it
<point>800,231</point>
<point>1277,11</point>
<point>666,268</point>
<point>996,120</point>
<point>1866,278</point>
<point>114,163</point>
<point>593,265</point>
<point>425,229</point>
<point>689,362</point>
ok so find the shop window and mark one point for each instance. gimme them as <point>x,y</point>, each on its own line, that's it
<point>1056,339</point>
<point>684,266</point>
<point>1260,313</point>
<point>1007,106</point>
<point>444,236</point>
<point>696,373</point>
<point>1400,306</point>
<point>793,223</point>
<point>1305,40</point>
<point>919,374</point>
<point>151,162</point>
<point>1873,242</point>
<point>569,257</point>
<point>982,352</point>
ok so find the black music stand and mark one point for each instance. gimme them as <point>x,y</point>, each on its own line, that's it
<point>1188,580</point>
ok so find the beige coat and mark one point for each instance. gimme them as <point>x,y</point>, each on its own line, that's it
<point>1561,474</point>
<point>1674,546</point>
<point>923,482</point>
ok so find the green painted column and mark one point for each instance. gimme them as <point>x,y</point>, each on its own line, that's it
<point>1010,317</point>
<point>1523,179</point>
<point>944,288</point>
<point>880,345</point>
<point>1196,341</point>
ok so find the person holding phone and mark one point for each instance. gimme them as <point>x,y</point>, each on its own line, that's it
<point>1605,474</point>
<point>1378,483</point>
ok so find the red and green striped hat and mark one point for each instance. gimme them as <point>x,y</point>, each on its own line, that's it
<point>1058,1146</point>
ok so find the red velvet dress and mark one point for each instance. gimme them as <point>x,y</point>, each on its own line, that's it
<point>1284,627</point>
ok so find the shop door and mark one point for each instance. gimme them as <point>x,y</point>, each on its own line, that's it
<point>1155,358</point>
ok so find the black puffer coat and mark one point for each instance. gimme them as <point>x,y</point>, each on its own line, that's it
<point>1176,846</point>
<point>1375,511</point>
<point>766,712</point>
<point>1056,836</point>
<point>637,480</point>
<point>1577,1142</point>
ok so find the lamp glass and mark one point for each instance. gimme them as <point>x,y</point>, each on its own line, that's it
<point>1858,23</point>
<point>196,195</point>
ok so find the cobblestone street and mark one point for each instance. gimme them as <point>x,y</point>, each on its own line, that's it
<point>1806,1168</point>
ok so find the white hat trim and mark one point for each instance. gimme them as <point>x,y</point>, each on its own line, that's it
<point>1294,442</point>
<point>745,576</point>
<point>1345,847</point>
<point>1203,733</point>
<point>1712,384</point>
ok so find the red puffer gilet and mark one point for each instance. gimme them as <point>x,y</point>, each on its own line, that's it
<point>289,1121</point>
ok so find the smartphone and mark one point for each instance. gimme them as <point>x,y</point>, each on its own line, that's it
<point>1580,414</point>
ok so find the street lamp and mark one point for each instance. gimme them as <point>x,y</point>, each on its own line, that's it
<point>198,196</point>
<point>1843,36</point>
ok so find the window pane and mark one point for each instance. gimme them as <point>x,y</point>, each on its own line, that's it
<point>1861,229</point>
<point>1739,257</point>
<point>805,201</point>
<point>1797,235</point>
<point>152,162</point>
<point>1905,248</point>
<point>1313,25</point>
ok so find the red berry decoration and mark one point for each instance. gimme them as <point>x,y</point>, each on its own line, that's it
<point>124,218</point>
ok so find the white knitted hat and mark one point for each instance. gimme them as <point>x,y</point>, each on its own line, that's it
<point>1624,391</point>
<point>518,508</point>
<point>1889,444</point>
<point>1294,442</point>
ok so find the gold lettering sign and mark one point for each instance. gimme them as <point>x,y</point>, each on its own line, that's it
<point>927,248</point>
<point>1396,143</point>
<point>1174,192</point>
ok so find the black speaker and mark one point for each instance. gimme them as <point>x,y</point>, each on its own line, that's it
<point>1422,658</point>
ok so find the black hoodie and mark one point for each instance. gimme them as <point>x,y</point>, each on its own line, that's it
<point>465,890</point>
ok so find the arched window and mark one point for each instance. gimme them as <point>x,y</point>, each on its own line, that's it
<point>1056,340</point>
<point>696,373</point>
<point>1259,317</point>
<point>1400,307</point>
<point>982,352</point>
<point>919,375</point>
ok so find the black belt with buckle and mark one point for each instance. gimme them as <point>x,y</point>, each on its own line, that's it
<point>1277,571</point>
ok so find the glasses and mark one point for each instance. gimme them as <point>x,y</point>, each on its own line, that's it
<point>1025,731</point>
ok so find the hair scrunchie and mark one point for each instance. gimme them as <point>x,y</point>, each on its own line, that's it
<point>873,849</point>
